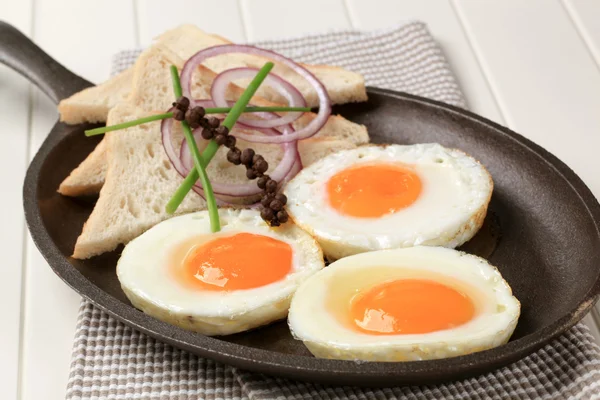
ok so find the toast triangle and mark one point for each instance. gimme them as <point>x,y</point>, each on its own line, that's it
<point>139,177</point>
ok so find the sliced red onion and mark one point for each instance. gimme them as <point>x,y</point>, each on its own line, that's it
<point>286,89</point>
<point>178,164</point>
<point>185,155</point>
<point>282,169</point>
<point>297,167</point>
<point>166,129</point>
<point>324,102</point>
<point>234,190</point>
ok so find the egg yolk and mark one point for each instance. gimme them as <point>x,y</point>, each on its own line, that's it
<point>240,261</point>
<point>370,191</point>
<point>410,306</point>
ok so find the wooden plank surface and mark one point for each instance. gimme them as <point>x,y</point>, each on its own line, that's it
<point>444,25</point>
<point>542,75</point>
<point>586,17</point>
<point>14,127</point>
<point>85,46</point>
<point>268,19</point>
<point>222,17</point>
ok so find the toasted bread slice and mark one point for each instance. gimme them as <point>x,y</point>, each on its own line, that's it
<point>153,66</point>
<point>93,104</point>
<point>88,178</point>
<point>138,183</point>
<point>140,180</point>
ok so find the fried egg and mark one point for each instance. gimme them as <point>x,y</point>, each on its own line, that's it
<point>384,197</point>
<point>417,303</point>
<point>217,283</point>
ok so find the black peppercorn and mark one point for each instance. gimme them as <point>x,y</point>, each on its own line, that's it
<point>200,111</point>
<point>234,156</point>
<point>182,103</point>
<point>222,130</point>
<point>281,197</point>
<point>272,204</point>
<point>276,205</point>
<point>213,122</point>
<point>189,117</point>
<point>257,158</point>
<point>247,156</point>
<point>261,166</point>
<point>282,216</point>
<point>262,181</point>
<point>267,214</point>
<point>230,140</point>
<point>220,139</point>
<point>194,115</point>
<point>251,174</point>
<point>266,200</point>
<point>271,186</point>
<point>207,133</point>
<point>178,114</point>
<point>192,125</point>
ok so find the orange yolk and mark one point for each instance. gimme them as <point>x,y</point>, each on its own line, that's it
<point>241,261</point>
<point>410,306</point>
<point>370,191</point>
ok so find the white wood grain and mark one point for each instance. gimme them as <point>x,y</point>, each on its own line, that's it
<point>50,307</point>
<point>84,35</point>
<point>446,28</point>
<point>14,129</point>
<point>541,72</point>
<point>543,76</point>
<point>586,16</point>
<point>222,17</point>
<point>78,35</point>
<point>270,19</point>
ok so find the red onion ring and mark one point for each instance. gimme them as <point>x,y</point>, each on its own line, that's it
<point>186,157</point>
<point>202,103</point>
<point>166,129</point>
<point>184,152</point>
<point>324,102</point>
<point>297,167</point>
<point>293,96</point>
<point>234,190</point>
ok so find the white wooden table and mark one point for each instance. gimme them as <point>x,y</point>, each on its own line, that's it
<point>532,65</point>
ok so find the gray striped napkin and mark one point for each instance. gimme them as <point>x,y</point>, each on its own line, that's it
<point>113,361</point>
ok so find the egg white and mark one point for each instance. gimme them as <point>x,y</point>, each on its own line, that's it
<point>456,190</point>
<point>146,278</point>
<point>312,320</point>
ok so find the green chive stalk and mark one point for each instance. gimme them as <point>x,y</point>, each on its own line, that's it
<point>199,162</point>
<point>128,124</point>
<point>212,147</point>
<point>212,110</point>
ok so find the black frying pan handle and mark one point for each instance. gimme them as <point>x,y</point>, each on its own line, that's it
<point>22,55</point>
